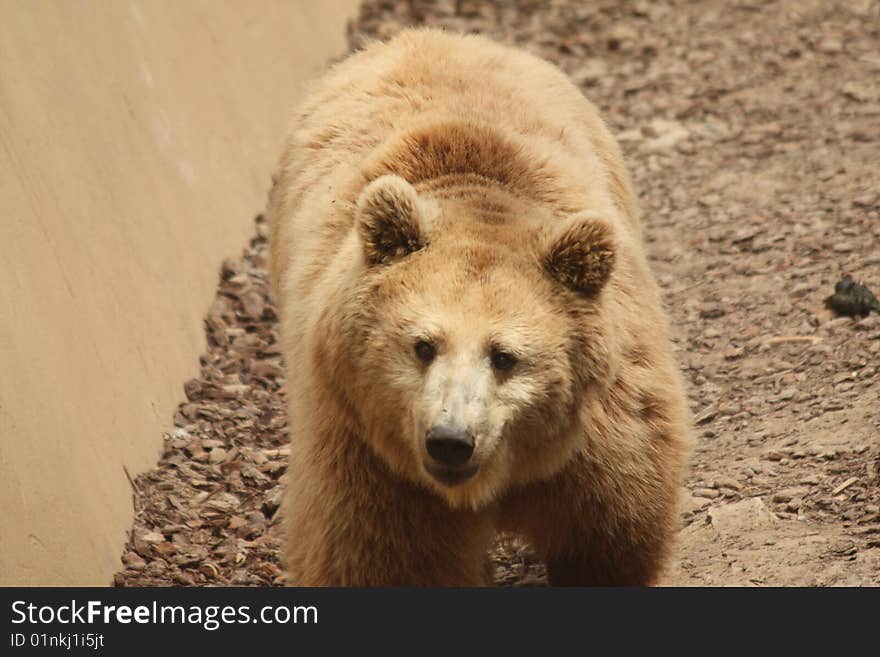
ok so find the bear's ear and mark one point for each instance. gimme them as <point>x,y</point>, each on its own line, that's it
<point>581,255</point>
<point>390,219</point>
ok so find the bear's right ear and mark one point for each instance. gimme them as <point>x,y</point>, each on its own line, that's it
<point>390,218</point>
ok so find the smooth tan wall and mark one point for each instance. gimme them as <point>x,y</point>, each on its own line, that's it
<point>137,139</point>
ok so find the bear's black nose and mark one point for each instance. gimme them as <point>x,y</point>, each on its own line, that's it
<point>449,445</point>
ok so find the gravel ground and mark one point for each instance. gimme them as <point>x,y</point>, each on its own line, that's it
<point>752,129</point>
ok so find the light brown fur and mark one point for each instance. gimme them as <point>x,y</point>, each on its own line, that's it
<point>450,189</point>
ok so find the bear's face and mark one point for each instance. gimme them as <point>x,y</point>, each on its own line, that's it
<point>470,356</point>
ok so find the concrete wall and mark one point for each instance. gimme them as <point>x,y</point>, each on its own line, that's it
<point>137,139</point>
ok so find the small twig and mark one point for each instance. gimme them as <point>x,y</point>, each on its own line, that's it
<point>281,452</point>
<point>846,484</point>
<point>134,488</point>
<point>136,497</point>
<point>780,339</point>
<point>210,495</point>
<point>686,288</point>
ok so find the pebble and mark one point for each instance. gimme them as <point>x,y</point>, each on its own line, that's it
<point>591,71</point>
<point>729,408</point>
<point>183,578</point>
<point>733,353</point>
<point>857,91</point>
<point>726,482</point>
<point>706,414</point>
<point>801,289</point>
<point>133,560</point>
<point>665,135</point>
<point>788,494</point>
<point>831,46</point>
<point>217,455</point>
<point>152,538</point>
<point>712,311</point>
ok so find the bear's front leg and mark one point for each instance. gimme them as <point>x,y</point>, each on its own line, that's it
<point>598,526</point>
<point>620,561</point>
<point>352,522</point>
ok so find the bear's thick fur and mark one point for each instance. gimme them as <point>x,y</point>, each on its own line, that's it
<point>473,339</point>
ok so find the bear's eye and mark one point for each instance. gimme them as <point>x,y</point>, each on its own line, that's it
<point>425,351</point>
<point>501,360</point>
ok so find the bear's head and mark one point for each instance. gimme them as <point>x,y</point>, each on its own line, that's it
<point>473,338</point>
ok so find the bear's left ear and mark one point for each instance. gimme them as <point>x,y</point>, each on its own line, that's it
<point>581,255</point>
<point>390,217</point>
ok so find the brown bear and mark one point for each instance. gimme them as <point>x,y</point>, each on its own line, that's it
<point>473,339</point>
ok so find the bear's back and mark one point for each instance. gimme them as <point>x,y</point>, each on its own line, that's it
<point>427,77</point>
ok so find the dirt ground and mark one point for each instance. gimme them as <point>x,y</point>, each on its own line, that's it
<point>752,129</point>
